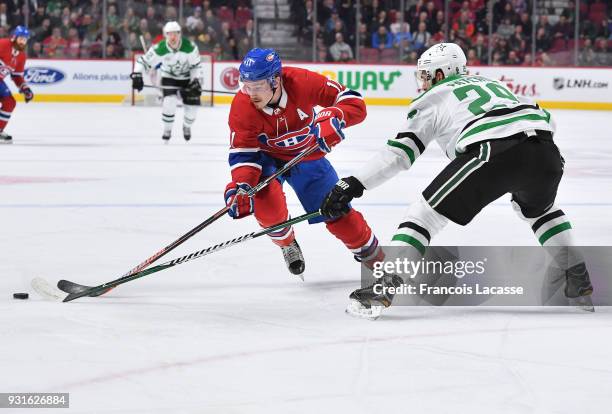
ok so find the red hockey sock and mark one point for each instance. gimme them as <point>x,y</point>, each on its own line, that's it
<point>271,209</point>
<point>8,104</point>
<point>352,230</point>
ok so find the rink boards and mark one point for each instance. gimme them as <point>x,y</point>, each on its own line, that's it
<point>108,81</point>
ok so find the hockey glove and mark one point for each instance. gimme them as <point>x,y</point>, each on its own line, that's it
<point>337,201</point>
<point>28,95</point>
<point>239,203</point>
<point>137,82</point>
<point>328,126</point>
<point>194,87</point>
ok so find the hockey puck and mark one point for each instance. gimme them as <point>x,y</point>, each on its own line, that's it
<point>20,296</point>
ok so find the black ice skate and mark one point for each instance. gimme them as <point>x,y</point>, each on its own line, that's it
<point>366,303</point>
<point>5,138</point>
<point>578,287</point>
<point>294,259</point>
<point>186,133</point>
<point>166,136</point>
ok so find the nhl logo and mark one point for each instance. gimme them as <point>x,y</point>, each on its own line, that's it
<point>558,83</point>
<point>270,57</point>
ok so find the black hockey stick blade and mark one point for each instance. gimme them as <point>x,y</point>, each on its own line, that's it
<point>71,287</point>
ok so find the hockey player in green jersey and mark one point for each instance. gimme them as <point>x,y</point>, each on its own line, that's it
<point>181,73</point>
<point>497,144</point>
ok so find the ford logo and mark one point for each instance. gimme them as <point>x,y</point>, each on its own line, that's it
<point>43,76</point>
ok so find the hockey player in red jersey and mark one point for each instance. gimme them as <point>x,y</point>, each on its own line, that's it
<point>12,63</point>
<point>271,121</point>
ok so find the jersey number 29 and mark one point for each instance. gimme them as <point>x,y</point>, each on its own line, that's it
<point>483,96</point>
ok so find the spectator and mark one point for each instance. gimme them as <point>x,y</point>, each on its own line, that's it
<point>525,23</point>
<point>543,41</point>
<point>527,61</point>
<point>4,16</point>
<point>42,32</point>
<point>244,45</point>
<point>224,36</point>
<point>118,50</point>
<point>505,29</point>
<point>381,20</point>
<point>411,58</point>
<point>438,23</point>
<point>73,44</point>
<point>88,30</point>
<point>330,36</point>
<point>130,21</point>
<point>463,27</point>
<point>543,24</point>
<point>570,11</point>
<point>513,59</point>
<point>112,18</point>
<point>414,12</point>
<point>194,20</point>
<point>497,59</point>
<point>472,59</point>
<point>403,38</point>
<point>55,44</point>
<point>382,39</point>
<point>586,57</point>
<point>503,48</point>
<point>36,51</point>
<point>340,51</point>
<point>365,40</point>
<point>39,17</point>
<point>563,29</point>
<point>421,38</point>
<point>602,55</point>
<point>205,43</point>
<point>322,55</point>
<point>603,29</point>
<point>517,40</point>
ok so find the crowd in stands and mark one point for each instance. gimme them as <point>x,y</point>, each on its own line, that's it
<point>73,29</point>
<point>383,36</point>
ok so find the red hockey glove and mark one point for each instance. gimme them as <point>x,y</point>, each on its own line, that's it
<point>236,198</point>
<point>328,126</point>
<point>28,95</point>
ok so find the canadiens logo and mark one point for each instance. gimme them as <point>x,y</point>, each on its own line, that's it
<point>290,141</point>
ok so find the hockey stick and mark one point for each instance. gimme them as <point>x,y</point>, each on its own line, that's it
<point>143,43</point>
<point>161,88</point>
<point>94,291</point>
<point>70,287</point>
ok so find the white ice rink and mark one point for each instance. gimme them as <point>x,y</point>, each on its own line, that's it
<point>89,191</point>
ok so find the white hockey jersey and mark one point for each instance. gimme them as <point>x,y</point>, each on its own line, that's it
<point>182,63</point>
<point>458,111</point>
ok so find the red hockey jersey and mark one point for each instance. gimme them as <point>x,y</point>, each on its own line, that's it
<point>12,62</point>
<point>282,132</point>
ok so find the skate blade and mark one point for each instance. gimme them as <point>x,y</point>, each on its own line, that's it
<point>357,310</point>
<point>584,303</point>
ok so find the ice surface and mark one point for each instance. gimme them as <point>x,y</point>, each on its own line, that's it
<point>88,191</point>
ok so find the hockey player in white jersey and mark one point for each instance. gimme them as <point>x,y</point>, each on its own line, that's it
<point>497,144</point>
<point>181,73</point>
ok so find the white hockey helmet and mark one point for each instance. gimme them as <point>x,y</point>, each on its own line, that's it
<point>447,57</point>
<point>171,27</point>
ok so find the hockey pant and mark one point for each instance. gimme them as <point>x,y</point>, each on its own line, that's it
<point>7,103</point>
<point>170,101</point>
<point>527,165</point>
